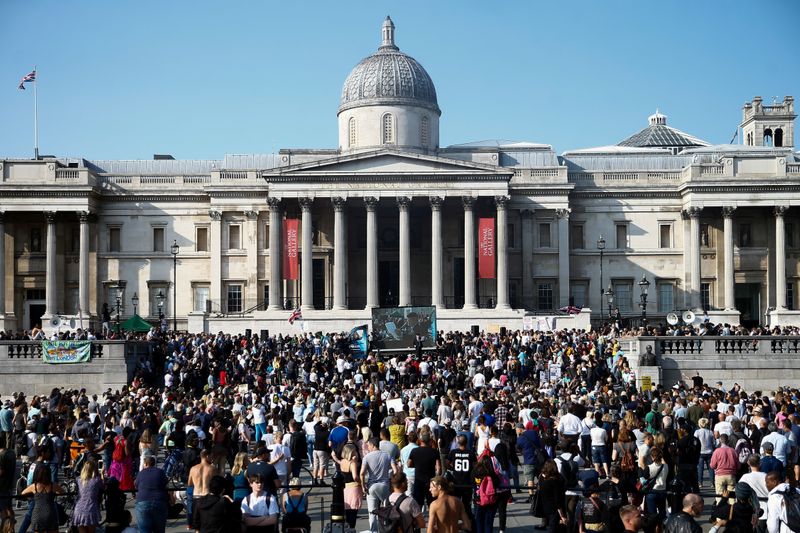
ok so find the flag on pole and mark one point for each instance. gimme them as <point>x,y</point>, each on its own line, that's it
<point>27,78</point>
<point>570,309</point>
<point>296,315</point>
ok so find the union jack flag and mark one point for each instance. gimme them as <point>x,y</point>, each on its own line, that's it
<point>296,315</point>
<point>571,309</point>
<point>27,78</point>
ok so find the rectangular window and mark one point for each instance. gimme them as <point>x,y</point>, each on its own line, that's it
<point>234,237</point>
<point>201,240</point>
<point>510,237</point>
<point>623,296</point>
<point>789,228</point>
<point>266,236</point>
<point>266,296</point>
<point>705,296</point>
<point>201,294</point>
<point>158,239</point>
<point>577,293</point>
<point>622,236</point>
<point>234,298</point>
<point>159,293</point>
<point>705,235</point>
<point>744,236</point>
<point>544,235</point>
<point>666,296</point>
<point>665,235</point>
<point>36,240</point>
<point>544,295</point>
<point>75,241</point>
<point>576,237</point>
<point>114,240</point>
<point>790,295</point>
<point>72,302</point>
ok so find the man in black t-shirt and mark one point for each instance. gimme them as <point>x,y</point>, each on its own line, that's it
<point>262,468</point>
<point>426,464</point>
<point>460,463</point>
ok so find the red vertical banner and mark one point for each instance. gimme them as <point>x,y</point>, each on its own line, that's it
<point>486,248</point>
<point>290,248</point>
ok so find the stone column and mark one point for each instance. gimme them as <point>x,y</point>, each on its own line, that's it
<point>339,253</point>
<point>307,257</point>
<point>373,300</point>
<point>50,276</point>
<point>405,251</point>
<point>83,265</point>
<point>275,281</point>
<point>780,257</point>
<point>250,243</point>
<point>437,298</point>
<point>727,215</point>
<point>215,249</point>
<point>469,253</point>
<point>527,257</point>
<point>2,265</point>
<point>563,256</point>
<point>694,254</point>
<point>502,252</point>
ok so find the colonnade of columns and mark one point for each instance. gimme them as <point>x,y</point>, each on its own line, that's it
<point>728,213</point>
<point>340,248</point>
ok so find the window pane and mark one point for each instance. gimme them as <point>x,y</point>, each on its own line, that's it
<point>545,296</point>
<point>510,235</point>
<point>705,295</point>
<point>622,235</point>
<point>623,293</point>
<point>666,297</point>
<point>234,237</point>
<point>158,239</point>
<point>665,236</point>
<point>577,293</point>
<point>36,240</point>
<point>153,300</point>
<point>576,237</point>
<point>202,240</point>
<point>544,235</point>
<point>113,240</point>
<point>234,299</point>
<point>790,295</point>
<point>744,235</point>
<point>200,298</point>
<point>266,237</point>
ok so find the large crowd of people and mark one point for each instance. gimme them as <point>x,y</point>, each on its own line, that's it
<point>215,426</point>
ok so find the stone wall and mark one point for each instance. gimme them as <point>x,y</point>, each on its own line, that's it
<point>22,368</point>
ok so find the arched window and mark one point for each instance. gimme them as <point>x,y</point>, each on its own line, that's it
<point>778,137</point>
<point>749,139</point>
<point>424,133</point>
<point>352,130</point>
<point>767,137</point>
<point>388,128</point>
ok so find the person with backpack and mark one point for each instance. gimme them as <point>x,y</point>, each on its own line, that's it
<point>783,506</point>
<point>487,494</point>
<point>403,514</point>
<point>260,508</point>
<point>295,508</point>
<point>569,462</point>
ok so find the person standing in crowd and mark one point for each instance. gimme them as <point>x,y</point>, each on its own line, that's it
<point>322,451</point>
<point>216,511</point>
<point>260,508</point>
<point>684,520</point>
<point>411,515</point>
<point>238,477</point>
<point>151,497</point>
<point>632,518</point>
<point>353,491</point>
<point>776,510</point>
<point>199,478</point>
<point>44,516</point>
<point>90,489</point>
<point>447,513</point>
<point>550,498</point>
<point>725,464</point>
<point>707,445</point>
<point>376,471</point>
<point>426,464</point>
<point>8,466</point>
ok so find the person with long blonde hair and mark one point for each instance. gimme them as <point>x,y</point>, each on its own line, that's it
<point>353,492</point>
<point>90,489</point>
<point>241,487</point>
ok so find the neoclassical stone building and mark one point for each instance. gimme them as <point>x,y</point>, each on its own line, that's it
<point>390,218</point>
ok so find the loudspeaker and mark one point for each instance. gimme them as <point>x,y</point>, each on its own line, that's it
<point>475,330</point>
<point>264,334</point>
<point>248,333</point>
<point>502,331</point>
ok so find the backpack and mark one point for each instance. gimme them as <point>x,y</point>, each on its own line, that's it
<point>791,501</point>
<point>294,519</point>
<point>119,450</point>
<point>487,492</point>
<point>743,450</point>
<point>390,519</point>
<point>569,470</point>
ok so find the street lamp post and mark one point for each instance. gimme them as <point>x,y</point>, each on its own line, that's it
<point>601,245</point>
<point>119,304</point>
<point>175,249</point>
<point>644,285</point>
<point>135,302</point>
<point>610,296</point>
<point>160,301</point>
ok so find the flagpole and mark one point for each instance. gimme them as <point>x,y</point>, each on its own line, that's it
<point>35,118</point>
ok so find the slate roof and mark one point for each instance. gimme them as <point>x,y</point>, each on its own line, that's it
<point>661,135</point>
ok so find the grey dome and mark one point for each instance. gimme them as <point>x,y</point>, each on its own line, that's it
<point>388,77</point>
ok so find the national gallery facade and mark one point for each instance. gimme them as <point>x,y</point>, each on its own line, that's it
<point>390,218</point>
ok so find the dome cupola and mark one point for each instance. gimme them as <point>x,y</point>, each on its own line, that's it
<point>388,99</point>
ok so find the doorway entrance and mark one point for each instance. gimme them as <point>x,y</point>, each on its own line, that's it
<point>389,283</point>
<point>458,282</point>
<point>318,276</point>
<point>748,302</point>
<point>35,310</point>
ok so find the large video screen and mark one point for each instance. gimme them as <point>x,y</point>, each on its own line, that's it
<point>398,327</point>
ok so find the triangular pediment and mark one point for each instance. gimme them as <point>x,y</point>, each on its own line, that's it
<point>387,162</point>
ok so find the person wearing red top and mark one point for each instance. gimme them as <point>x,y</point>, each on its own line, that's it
<point>725,463</point>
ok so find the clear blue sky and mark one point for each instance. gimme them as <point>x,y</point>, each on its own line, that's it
<point>198,79</point>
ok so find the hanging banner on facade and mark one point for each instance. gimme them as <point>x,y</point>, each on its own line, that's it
<point>486,248</point>
<point>359,341</point>
<point>56,352</point>
<point>290,248</point>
